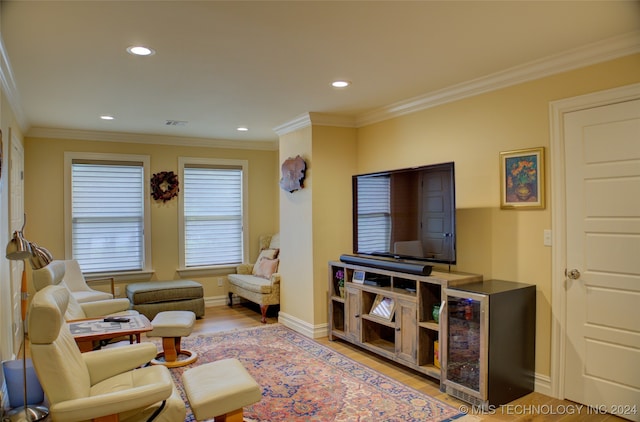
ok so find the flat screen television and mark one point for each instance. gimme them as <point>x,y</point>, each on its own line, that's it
<point>407,214</point>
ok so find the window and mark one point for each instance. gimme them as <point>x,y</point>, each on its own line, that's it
<point>107,211</point>
<point>212,212</point>
<point>374,214</point>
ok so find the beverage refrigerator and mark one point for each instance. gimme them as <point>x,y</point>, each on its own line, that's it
<point>488,342</point>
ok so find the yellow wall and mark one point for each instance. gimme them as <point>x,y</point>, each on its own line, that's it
<point>44,193</point>
<point>499,244</point>
<point>296,238</point>
<point>316,220</point>
<point>334,150</point>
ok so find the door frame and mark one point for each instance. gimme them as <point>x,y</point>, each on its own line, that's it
<point>557,110</point>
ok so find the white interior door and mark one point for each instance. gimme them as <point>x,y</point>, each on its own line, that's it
<point>602,355</point>
<point>16,217</point>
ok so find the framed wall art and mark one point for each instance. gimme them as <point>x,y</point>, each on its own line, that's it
<point>522,179</point>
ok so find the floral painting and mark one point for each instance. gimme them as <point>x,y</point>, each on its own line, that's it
<point>522,178</point>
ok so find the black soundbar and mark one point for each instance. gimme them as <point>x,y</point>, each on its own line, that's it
<point>390,264</point>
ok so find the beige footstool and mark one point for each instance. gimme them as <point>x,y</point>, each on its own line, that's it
<point>172,326</point>
<point>220,390</point>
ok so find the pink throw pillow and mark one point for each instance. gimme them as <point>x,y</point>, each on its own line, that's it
<point>264,254</point>
<point>266,267</point>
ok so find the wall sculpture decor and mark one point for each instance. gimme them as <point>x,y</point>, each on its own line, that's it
<point>164,186</point>
<point>293,172</point>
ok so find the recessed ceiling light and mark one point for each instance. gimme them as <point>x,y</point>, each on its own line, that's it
<point>340,84</point>
<point>107,117</point>
<point>138,50</point>
<point>243,129</point>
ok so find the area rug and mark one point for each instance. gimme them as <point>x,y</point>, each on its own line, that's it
<point>303,380</point>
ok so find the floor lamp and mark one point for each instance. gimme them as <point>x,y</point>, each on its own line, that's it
<point>20,249</point>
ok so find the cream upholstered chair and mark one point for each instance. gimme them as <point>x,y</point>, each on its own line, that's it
<point>77,284</point>
<point>259,282</point>
<point>102,384</point>
<point>53,274</point>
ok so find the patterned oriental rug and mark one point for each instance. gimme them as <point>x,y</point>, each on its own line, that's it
<point>303,380</point>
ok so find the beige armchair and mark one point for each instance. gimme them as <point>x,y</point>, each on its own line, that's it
<point>78,286</point>
<point>53,274</point>
<point>259,282</point>
<point>100,385</point>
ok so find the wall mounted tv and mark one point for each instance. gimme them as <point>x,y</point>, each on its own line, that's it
<point>406,214</point>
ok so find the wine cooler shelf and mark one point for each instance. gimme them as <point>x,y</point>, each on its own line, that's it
<point>393,314</point>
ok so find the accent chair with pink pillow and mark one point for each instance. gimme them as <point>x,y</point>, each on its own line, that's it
<point>259,282</point>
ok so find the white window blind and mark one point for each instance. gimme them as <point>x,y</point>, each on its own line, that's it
<point>212,215</point>
<point>107,207</point>
<point>374,214</point>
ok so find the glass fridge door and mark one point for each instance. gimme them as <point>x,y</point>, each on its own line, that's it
<point>465,368</point>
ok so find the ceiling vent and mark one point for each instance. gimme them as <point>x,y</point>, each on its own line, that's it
<point>175,123</point>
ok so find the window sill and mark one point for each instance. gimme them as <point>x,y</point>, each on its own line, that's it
<point>122,276</point>
<point>206,271</point>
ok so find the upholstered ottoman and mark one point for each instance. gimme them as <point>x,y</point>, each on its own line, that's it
<point>152,297</point>
<point>172,326</point>
<point>220,390</point>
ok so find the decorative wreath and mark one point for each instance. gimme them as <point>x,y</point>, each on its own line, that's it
<point>164,186</point>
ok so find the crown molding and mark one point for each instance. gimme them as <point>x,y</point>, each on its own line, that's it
<point>299,122</point>
<point>9,87</point>
<point>601,51</point>
<point>316,119</point>
<point>587,55</point>
<point>87,135</point>
<point>324,119</point>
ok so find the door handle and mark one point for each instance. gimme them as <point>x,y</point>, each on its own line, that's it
<point>573,274</point>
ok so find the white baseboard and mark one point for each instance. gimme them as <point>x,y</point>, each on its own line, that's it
<point>542,384</point>
<point>212,301</point>
<point>303,327</point>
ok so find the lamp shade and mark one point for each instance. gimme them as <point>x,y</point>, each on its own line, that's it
<point>18,247</point>
<point>40,257</point>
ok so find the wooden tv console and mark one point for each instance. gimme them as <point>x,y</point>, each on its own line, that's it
<point>408,335</point>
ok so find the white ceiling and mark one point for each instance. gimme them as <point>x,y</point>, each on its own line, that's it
<point>222,64</point>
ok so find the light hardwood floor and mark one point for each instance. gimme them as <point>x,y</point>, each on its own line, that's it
<point>239,316</point>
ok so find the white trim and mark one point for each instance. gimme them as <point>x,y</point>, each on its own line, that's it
<point>317,119</point>
<point>590,54</point>
<point>9,87</point>
<point>580,57</point>
<point>215,301</point>
<point>132,138</point>
<point>542,384</point>
<point>294,124</point>
<point>587,55</point>
<point>146,163</point>
<point>303,327</point>
<point>206,271</point>
<point>324,119</point>
<point>557,110</point>
<point>123,276</point>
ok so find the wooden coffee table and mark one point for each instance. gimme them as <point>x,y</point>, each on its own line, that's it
<point>87,331</point>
